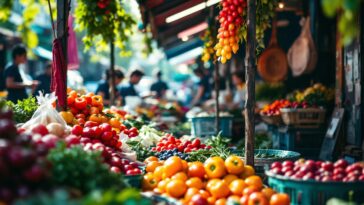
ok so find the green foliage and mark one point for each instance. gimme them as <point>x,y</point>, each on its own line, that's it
<point>265,11</point>
<point>347,12</point>
<point>79,169</point>
<point>104,21</point>
<point>142,152</point>
<point>219,147</point>
<point>97,197</point>
<point>24,109</point>
<point>269,91</point>
<point>5,9</point>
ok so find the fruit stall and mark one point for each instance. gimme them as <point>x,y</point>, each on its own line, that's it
<point>67,147</point>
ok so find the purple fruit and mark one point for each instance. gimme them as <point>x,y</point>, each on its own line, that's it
<point>7,129</point>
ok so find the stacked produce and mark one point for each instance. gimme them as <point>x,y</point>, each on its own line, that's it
<point>216,181</point>
<point>230,18</point>
<point>317,95</point>
<point>274,108</point>
<point>99,130</point>
<point>30,162</point>
<point>339,171</point>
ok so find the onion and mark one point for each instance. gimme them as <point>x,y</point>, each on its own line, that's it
<point>56,129</point>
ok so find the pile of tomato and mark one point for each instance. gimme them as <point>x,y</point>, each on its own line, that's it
<point>216,181</point>
<point>274,108</point>
<point>169,142</point>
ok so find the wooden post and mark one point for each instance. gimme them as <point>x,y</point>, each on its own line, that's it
<point>217,86</point>
<point>112,73</point>
<point>250,66</point>
<point>62,32</point>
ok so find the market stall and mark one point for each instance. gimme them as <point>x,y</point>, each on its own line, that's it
<point>82,152</point>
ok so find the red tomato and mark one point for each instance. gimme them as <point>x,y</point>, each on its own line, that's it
<point>74,110</point>
<point>106,136</point>
<point>97,131</point>
<point>105,127</point>
<point>80,116</point>
<point>80,103</point>
<point>77,130</point>
<point>133,134</point>
<point>91,124</point>
<point>133,129</point>
<point>88,99</point>
<point>196,143</point>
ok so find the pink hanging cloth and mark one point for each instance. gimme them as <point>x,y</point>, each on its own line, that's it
<point>72,54</point>
<point>59,73</point>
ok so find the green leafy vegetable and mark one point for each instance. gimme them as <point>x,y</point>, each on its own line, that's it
<point>79,169</point>
<point>24,109</point>
<point>142,152</point>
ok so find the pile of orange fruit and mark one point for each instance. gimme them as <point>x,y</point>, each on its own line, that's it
<point>216,181</point>
<point>90,107</point>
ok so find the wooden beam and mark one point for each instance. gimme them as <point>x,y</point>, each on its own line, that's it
<point>250,67</point>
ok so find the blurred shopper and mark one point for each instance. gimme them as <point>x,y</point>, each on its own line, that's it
<point>159,86</point>
<point>238,102</point>
<point>104,86</point>
<point>13,80</point>
<point>129,89</point>
<point>203,88</point>
<point>44,80</point>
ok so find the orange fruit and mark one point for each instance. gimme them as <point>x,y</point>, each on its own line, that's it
<point>268,192</point>
<point>221,201</point>
<point>152,165</point>
<point>181,176</point>
<point>237,186</point>
<point>211,200</point>
<point>248,171</point>
<point>219,189</point>
<point>196,169</point>
<point>195,182</point>
<point>249,190</point>
<point>210,183</point>
<point>229,178</point>
<point>176,188</point>
<point>205,194</point>
<point>254,181</point>
<point>162,185</point>
<point>150,159</point>
<point>279,199</point>
<point>158,173</point>
<point>172,165</point>
<point>190,193</point>
<point>184,165</point>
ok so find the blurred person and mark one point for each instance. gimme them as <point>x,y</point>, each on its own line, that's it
<point>14,82</point>
<point>129,89</point>
<point>159,86</point>
<point>238,79</point>
<point>44,80</point>
<point>203,88</point>
<point>104,86</point>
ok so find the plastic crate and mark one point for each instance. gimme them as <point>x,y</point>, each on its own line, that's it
<point>303,117</point>
<point>306,141</point>
<point>205,126</point>
<point>134,180</point>
<point>313,192</point>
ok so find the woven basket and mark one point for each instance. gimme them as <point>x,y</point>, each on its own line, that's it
<point>303,117</point>
<point>272,120</point>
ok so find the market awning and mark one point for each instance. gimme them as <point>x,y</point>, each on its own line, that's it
<point>177,25</point>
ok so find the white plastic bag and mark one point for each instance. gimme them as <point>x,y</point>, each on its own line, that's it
<point>45,114</point>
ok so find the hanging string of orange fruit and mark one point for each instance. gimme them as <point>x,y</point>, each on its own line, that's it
<point>233,28</point>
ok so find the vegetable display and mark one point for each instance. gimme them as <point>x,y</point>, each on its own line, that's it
<point>216,181</point>
<point>339,171</point>
<point>23,109</point>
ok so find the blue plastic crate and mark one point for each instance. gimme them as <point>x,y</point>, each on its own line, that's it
<point>305,141</point>
<point>205,126</point>
<point>315,193</point>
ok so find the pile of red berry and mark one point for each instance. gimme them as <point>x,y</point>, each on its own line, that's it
<point>103,138</point>
<point>23,164</point>
<point>102,133</point>
<point>320,171</point>
<point>170,143</point>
